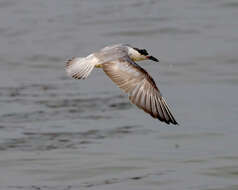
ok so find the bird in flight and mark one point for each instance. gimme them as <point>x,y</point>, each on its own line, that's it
<point>118,62</point>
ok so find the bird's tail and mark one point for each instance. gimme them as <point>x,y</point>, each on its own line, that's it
<point>79,67</point>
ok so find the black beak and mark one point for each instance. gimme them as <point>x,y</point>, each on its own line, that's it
<point>152,58</point>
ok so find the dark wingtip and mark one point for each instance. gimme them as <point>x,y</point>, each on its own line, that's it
<point>68,62</point>
<point>169,122</point>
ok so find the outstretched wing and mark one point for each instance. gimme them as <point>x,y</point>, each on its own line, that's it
<point>80,67</point>
<point>140,87</point>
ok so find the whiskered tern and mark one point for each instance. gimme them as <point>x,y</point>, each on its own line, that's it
<point>118,62</point>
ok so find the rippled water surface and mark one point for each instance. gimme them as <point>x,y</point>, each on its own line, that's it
<point>57,133</point>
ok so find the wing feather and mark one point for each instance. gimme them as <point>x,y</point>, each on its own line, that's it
<point>80,68</point>
<point>140,87</point>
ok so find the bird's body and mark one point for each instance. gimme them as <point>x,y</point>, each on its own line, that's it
<point>118,62</point>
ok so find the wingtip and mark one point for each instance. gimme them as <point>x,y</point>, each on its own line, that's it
<point>168,122</point>
<point>69,62</point>
<point>176,123</point>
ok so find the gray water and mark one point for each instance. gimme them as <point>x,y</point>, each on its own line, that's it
<point>58,133</point>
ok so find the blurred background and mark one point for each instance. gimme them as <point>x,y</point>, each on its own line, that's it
<point>59,133</point>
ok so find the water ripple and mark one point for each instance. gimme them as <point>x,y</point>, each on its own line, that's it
<point>35,141</point>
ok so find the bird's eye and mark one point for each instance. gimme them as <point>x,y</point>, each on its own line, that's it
<point>143,52</point>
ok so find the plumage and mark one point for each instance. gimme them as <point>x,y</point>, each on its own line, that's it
<point>80,68</point>
<point>117,62</point>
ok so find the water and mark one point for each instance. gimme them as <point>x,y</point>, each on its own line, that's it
<point>58,133</point>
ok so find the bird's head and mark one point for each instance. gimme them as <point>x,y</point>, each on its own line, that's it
<point>137,54</point>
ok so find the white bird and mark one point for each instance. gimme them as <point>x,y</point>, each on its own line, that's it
<point>118,62</point>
